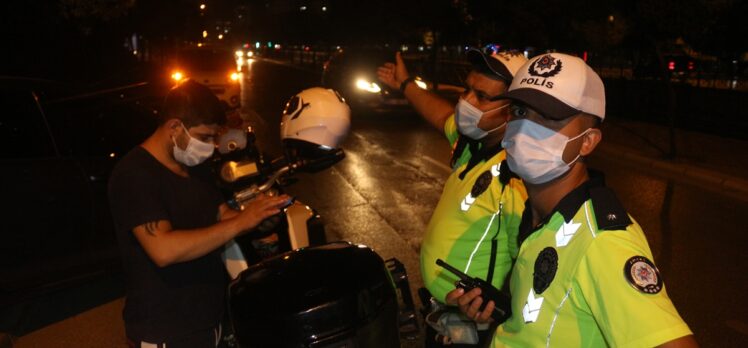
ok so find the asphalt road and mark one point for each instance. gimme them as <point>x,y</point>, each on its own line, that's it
<point>382,195</point>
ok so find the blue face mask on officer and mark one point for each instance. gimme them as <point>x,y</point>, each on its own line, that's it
<point>467,117</point>
<point>535,153</point>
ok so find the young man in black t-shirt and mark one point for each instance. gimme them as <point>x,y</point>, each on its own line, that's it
<point>171,226</point>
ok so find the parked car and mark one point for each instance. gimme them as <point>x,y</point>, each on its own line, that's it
<point>57,148</point>
<point>212,66</point>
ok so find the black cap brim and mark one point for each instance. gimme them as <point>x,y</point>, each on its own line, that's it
<point>546,105</point>
<point>482,60</point>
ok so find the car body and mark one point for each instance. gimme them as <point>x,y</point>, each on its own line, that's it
<point>214,67</point>
<point>680,66</point>
<point>57,152</point>
<point>353,73</point>
<point>243,57</point>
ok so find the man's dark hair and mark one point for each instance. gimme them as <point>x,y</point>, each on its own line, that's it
<point>484,70</point>
<point>194,104</point>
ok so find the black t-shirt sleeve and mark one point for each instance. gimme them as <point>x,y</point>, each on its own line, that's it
<point>135,200</point>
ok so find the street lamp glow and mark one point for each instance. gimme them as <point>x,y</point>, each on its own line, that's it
<point>202,6</point>
<point>205,33</point>
<point>220,36</point>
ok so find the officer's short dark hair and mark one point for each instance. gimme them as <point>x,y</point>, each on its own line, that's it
<point>194,104</point>
<point>484,70</point>
<point>592,120</point>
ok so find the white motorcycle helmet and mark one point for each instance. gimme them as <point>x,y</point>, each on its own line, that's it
<point>316,117</point>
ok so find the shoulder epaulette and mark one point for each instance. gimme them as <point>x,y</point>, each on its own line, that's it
<point>609,212</point>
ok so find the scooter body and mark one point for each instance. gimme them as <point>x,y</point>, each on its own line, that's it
<point>291,289</point>
<point>244,174</point>
<point>300,228</point>
<point>335,295</point>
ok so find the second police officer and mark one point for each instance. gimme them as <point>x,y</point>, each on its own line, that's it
<point>479,209</point>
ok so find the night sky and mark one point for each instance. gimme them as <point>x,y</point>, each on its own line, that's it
<point>83,39</point>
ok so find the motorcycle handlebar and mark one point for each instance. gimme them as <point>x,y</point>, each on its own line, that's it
<point>283,168</point>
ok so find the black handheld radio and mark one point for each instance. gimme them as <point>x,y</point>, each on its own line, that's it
<point>502,302</point>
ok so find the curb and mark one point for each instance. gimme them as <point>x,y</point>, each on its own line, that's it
<point>705,178</point>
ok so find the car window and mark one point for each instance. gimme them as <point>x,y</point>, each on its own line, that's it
<point>23,132</point>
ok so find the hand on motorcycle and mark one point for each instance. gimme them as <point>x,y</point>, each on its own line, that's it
<point>469,304</point>
<point>260,208</point>
<point>393,74</point>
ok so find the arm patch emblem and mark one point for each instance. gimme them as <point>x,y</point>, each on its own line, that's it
<point>642,274</point>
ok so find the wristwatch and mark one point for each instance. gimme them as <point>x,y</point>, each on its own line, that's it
<point>405,83</point>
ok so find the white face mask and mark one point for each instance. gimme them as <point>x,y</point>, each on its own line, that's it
<point>467,117</point>
<point>197,151</point>
<point>535,152</point>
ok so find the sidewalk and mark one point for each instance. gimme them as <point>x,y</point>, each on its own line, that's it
<point>708,161</point>
<point>92,328</point>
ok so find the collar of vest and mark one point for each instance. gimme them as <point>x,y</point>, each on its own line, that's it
<point>609,212</point>
<point>478,152</point>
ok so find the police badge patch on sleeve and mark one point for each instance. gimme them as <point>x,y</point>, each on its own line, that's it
<point>643,275</point>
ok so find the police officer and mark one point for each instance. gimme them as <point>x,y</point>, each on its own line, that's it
<point>479,209</point>
<point>584,276</point>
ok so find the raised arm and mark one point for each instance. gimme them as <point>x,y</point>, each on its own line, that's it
<point>428,104</point>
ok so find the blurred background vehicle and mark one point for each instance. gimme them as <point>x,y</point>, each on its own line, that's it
<point>680,66</point>
<point>214,67</point>
<point>243,56</point>
<point>353,73</point>
<point>57,148</point>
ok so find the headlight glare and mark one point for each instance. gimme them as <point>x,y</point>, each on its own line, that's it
<point>365,85</point>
